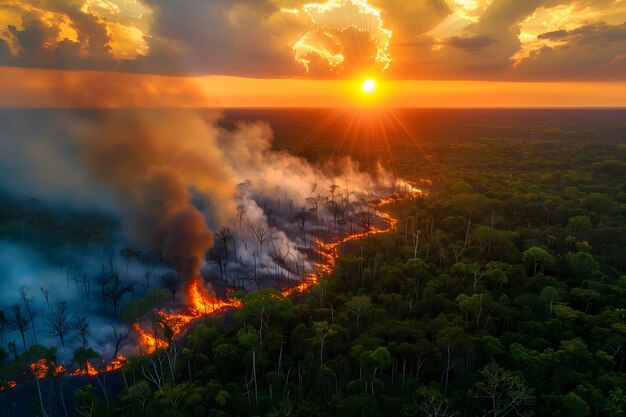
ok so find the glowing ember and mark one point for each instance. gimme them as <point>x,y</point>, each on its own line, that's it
<point>39,369</point>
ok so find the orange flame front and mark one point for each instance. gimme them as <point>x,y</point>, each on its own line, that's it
<point>203,303</point>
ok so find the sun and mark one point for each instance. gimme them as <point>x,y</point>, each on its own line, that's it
<point>368,86</point>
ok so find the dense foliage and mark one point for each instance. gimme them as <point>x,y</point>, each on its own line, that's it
<point>501,293</point>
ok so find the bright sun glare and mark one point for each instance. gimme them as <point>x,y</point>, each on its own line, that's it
<point>368,86</point>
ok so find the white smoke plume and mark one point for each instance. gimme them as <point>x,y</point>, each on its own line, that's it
<point>182,184</point>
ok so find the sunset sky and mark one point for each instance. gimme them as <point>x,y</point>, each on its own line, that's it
<point>268,53</point>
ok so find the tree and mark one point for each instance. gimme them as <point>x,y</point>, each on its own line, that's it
<point>84,355</point>
<point>85,400</point>
<point>28,309</point>
<point>433,404</point>
<point>172,282</point>
<point>323,331</point>
<point>116,291</point>
<point>21,321</point>
<point>81,325</point>
<point>249,339</point>
<point>574,406</point>
<point>381,357</point>
<point>225,234</point>
<point>139,394</point>
<point>549,295</point>
<point>120,339</point>
<point>538,258</point>
<point>359,306</point>
<point>579,224</point>
<point>263,305</point>
<point>301,219</point>
<point>505,392</point>
<point>59,322</point>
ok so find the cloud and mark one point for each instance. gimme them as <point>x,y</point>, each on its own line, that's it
<point>557,34</point>
<point>428,39</point>
<point>471,43</point>
<point>220,37</point>
<point>61,88</point>
<point>43,39</point>
<point>594,51</point>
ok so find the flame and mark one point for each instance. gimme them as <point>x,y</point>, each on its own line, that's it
<point>204,303</point>
<point>43,368</point>
<point>39,369</point>
<point>8,384</point>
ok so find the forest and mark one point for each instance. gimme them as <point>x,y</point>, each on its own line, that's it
<point>500,292</point>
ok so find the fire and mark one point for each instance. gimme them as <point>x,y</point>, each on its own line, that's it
<point>39,369</point>
<point>201,302</point>
<point>90,369</point>
<point>43,368</point>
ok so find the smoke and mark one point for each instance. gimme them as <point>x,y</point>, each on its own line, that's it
<point>215,202</point>
<point>151,160</point>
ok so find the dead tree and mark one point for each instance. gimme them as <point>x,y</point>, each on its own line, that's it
<point>172,282</point>
<point>145,260</point>
<point>28,309</point>
<point>121,339</point>
<point>261,231</point>
<point>116,291</point>
<point>225,234</point>
<point>59,323</point>
<point>301,218</point>
<point>81,325</point>
<point>20,321</point>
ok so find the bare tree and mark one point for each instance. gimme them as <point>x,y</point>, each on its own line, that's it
<point>116,291</point>
<point>172,282</point>
<point>261,231</point>
<point>121,339</point>
<point>28,308</point>
<point>336,210</point>
<point>359,307</point>
<point>365,220</point>
<point>145,260</point>
<point>415,234</point>
<point>20,321</point>
<point>225,234</point>
<point>301,218</point>
<point>81,325</point>
<point>46,296</point>
<point>505,392</point>
<point>59,323</point>
<point>433,404</point>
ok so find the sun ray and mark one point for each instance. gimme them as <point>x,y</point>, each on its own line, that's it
<point>324,124</point>
<point>383,131</point>
<point>345,136</point>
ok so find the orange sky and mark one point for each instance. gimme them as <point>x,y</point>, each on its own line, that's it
<point>27,87</point>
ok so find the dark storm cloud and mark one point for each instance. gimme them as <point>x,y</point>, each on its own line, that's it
<point>596,51</point>
<point>254,38</point>
<point>218,37</point>
<point>38,42</point>
<point>556,34</point>
<point>471,43</point>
